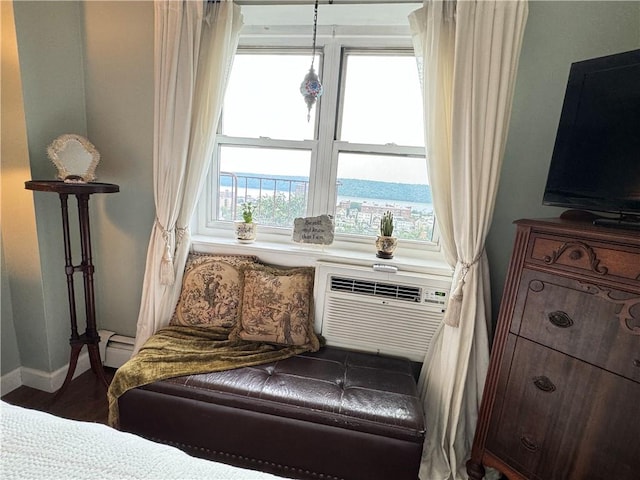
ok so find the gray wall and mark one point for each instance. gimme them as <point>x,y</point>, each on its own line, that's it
<point>50,50</point>
<point>119,97</point>
<point>9,352</point>
<point>557,34</point>
<point>88,68</point>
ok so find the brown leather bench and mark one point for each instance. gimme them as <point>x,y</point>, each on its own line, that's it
<point>332,414</point>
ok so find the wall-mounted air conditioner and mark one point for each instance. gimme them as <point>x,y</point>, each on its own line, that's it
<point>375,311</point>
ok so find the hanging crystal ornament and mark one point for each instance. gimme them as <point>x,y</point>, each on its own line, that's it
<point>311,88</point>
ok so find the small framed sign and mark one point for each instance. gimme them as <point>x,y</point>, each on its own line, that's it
<point>316,230</point>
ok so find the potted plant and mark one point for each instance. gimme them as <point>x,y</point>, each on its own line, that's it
<point>246,228</point>
<point>386,243</point>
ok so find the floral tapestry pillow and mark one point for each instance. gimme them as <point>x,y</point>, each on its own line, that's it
<point>210,292</point>
<point>277,306</point>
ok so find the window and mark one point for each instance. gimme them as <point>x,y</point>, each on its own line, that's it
<point>381,164</point>
<point>361,153</point>
<point>265,147</point>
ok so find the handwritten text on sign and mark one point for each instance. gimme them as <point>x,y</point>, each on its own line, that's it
<point>317,230</point>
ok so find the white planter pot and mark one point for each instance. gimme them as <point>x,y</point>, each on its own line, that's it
<point>245,232</point>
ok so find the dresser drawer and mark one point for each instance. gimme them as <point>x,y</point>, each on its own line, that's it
<point>586,257</point>
<point>554,411</point>
<point>598,325</point>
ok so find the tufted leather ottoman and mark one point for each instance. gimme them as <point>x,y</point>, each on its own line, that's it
<point>333,414</point>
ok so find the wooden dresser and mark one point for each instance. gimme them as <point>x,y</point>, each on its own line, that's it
<point>562,395</point>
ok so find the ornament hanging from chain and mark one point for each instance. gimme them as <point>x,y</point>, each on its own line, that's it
<point>311,88</point>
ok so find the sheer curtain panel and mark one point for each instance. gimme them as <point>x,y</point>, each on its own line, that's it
<point>195,42</point>
<point>469,53</point>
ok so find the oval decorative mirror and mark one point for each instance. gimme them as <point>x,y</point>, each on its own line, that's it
<point>75,157</point>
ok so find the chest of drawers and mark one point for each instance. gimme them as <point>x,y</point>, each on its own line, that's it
<point>562,395</point>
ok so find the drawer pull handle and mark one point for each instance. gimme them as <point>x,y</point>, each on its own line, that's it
<point>636,362</point>
<point>543,383</point>
<point>528,444</point>
<point>560,319</point>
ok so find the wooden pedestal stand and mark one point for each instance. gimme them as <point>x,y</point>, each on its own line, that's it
<point>90,337</point>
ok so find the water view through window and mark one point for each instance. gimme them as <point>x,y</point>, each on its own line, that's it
<point>359,203</point>
<point>377,140</point>
<point>384,183</point>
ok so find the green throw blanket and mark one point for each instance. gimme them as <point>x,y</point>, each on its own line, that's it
<point>178,351</point>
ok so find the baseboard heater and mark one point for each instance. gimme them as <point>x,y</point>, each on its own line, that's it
<point>115,349</point>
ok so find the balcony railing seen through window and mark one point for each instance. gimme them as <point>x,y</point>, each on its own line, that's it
<point>279,200</point>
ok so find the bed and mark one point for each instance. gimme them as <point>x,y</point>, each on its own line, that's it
<point>37,445</point>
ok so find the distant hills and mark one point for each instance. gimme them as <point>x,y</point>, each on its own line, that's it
<point>347,187</point>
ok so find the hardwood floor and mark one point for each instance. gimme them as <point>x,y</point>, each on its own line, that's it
<point>84,399</point>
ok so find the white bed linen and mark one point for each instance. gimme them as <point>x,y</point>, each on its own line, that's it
<point>37,445</point>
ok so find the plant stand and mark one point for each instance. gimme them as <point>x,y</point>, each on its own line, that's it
<point>90,337</point>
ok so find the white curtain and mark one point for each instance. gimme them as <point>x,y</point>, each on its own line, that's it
<point>195,42</point>
<point>469,53</point>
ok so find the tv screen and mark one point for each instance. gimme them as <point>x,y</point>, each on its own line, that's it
<point>596,157</point>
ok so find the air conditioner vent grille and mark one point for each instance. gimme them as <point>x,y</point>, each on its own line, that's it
<point>406,293</point>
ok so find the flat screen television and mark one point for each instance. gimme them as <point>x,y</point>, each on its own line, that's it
<point>596,158</point>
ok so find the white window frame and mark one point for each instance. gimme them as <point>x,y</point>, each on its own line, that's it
<point>322,192</point>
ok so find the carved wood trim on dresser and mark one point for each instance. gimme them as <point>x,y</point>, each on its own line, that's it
<point>562,394</point>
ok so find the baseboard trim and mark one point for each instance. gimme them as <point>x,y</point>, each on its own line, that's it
<point>115,350</point>
<point>10,381</point>
<point>40,380</point>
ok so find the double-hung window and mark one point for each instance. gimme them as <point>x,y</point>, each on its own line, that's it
<point>360,154</point>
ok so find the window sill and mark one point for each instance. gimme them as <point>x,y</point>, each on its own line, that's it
<point>294,254</point>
